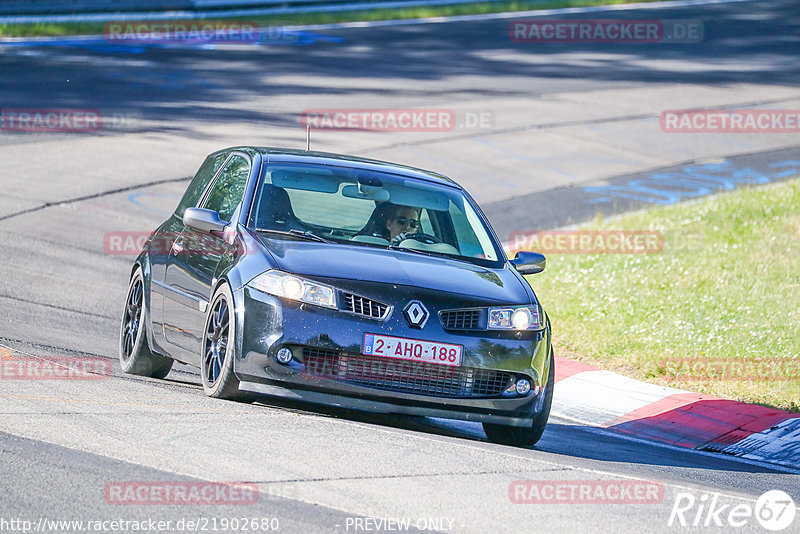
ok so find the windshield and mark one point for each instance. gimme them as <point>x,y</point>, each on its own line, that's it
<point>371,208</point>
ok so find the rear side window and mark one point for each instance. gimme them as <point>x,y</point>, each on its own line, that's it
<point>228,190</point>
<point>199,183</point>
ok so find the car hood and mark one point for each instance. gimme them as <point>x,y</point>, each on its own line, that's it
<point>379,265</point>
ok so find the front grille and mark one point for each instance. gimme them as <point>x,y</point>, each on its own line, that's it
<point>405,376</point>
<point>363,306</point>
<point>461,319</point>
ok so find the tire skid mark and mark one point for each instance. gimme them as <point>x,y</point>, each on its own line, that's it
<point>76,401</point>
<point>93,196</point>
<point>55,307</point>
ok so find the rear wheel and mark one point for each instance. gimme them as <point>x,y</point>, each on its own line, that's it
<point>219,336</point>
<point>525,436</point>
<point>135,356</point>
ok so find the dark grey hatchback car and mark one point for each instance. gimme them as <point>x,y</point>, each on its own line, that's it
<point>343,281</point>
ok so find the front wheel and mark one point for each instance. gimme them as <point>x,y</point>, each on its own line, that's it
<point>219,348</point>
<point>135,356</point>
<point>526,436</point>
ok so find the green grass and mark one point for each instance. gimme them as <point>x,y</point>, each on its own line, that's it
<point>97,28</point>
<point>724,290</point>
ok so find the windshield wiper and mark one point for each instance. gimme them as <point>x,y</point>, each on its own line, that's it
<point>297,233</point>
<point>434,254</point>
<point>418,251</point>
<point>310,235</point>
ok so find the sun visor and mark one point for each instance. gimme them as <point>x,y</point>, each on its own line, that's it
<point>418,195</point>
<point>321,180</point>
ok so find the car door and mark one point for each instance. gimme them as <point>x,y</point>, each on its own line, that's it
<point>168,232</point>
<point>193,262</point>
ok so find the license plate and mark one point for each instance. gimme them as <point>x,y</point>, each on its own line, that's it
<point>412,349</point>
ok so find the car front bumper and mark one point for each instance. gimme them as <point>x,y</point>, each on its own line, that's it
<point>267,323</point>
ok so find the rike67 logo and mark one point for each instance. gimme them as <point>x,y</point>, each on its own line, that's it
<point>774,511</point>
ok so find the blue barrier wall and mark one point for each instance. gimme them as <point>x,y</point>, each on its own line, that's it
<point>18,7</point>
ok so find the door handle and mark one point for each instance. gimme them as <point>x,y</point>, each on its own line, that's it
<point>177,246</point>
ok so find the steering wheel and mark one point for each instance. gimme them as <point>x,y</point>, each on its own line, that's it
<point>422,237</point>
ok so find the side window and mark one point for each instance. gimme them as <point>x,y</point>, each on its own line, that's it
<point>425,223</point>
<point>199,183</point>
<point>229,188</point>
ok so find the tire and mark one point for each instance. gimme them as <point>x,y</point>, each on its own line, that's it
<point>526,436</point>
<point>219,350</point>
<point>135,356</point>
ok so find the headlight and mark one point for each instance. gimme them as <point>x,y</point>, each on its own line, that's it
<point>515,318</point>
<point>293,287</point>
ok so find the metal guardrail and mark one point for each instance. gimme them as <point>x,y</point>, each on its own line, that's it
<point>19,7</point>
<point>65,7</point>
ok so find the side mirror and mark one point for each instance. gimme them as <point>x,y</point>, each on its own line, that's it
<point>203,220</point>
<point>529,262</point>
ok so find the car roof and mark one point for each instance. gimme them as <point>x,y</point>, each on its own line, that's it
<point>288,155</point>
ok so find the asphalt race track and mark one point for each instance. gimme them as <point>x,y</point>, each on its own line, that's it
<point>560,119</point>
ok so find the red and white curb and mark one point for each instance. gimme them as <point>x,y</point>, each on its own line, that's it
<point>594,397</point>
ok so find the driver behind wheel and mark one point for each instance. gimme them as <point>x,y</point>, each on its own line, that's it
<point>400,220</point>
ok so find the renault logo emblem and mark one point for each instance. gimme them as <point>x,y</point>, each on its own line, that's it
<point>416,314</point>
